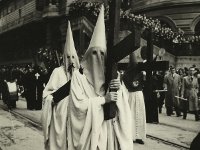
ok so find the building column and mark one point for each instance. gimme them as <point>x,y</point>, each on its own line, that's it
<point>82,41</point>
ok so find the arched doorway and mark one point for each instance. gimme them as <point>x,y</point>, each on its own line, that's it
<point>197,29</point>
<point>196,45</point>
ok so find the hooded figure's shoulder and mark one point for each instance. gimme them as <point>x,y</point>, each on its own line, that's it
<point>78,74</point>
<point>59,69</point>
<point>59,72</point>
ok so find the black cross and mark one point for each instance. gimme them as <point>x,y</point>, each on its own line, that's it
<point>149,66</point>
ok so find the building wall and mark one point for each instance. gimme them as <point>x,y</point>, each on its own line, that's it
<point>187,61</point>
<point>17,13</point>
<point>184,14</point>
<point>177,13</point>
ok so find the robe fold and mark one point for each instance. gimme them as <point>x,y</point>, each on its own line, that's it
<point>54,117</point>
<point>136,101</point>
<point>87,129</point>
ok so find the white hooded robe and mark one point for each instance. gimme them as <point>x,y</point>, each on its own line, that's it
<point>54,118</point>
<point>87,129</point>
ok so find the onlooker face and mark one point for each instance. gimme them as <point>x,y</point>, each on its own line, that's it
<point>191,71</point>
<point>173,70</point>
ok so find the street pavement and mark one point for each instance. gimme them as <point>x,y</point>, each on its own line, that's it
<point>18,135</point>
<point>173,129</point>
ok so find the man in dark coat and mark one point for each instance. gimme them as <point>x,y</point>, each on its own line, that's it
<point>42,78</point>
<point>30,88</point>
<point>34,82</point>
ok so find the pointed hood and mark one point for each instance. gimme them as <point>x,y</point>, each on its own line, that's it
<point>99,34</point>
<point>94,59</point>
<point>69,54</point>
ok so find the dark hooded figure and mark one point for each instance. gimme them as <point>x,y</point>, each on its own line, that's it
<point>30,88</point>
<point>34,85</point>
<point>41,76</point>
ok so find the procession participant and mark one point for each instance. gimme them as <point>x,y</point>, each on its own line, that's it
<point>133,80</point>
<point>40,81</point>
<point>55,94</point>
<point>30,88</point>
<point>87,128</point>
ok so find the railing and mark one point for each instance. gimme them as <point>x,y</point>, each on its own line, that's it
<point>33,16</point>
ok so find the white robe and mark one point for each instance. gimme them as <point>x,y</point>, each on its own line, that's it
<point>136,101</point>
<point>54,118</point>
<point>87,129</point>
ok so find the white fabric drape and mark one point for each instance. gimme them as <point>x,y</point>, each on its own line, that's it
<point>54,118</point>
<point>87,129</point>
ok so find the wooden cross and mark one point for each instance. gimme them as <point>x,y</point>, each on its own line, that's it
<point>124,48</point>
<point>116,52</point>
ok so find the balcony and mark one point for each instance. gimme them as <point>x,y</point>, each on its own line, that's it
<point>20,16</point>
<point>17,22</point>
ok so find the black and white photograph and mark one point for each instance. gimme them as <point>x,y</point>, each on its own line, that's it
<point>99,74</point>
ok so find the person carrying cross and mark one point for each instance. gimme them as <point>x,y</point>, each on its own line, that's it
<point>87,127</point>
<point>56,98</point>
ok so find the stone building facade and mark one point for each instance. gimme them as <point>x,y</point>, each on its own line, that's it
<point>183,14</point>
<point>27,25</point>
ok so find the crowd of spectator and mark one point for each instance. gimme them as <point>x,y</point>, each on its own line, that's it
<point>30,81</point>
<point>27,80</point>
<point>182,91</point>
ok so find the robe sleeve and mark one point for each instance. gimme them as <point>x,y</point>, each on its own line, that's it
<point>122,122</point>
<point>52,85</point>
<point>47,104</point>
